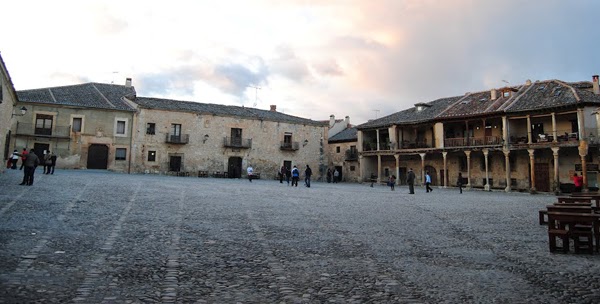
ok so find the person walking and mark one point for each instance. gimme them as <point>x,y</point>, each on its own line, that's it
<point>295,176</point>
<point>329,175</point>
<point>47,162</point>
<point>428,182</point>
<point>53,163</point>
<point>288,175</point>
<point>23,157</point>
<point>410,180</point>
<point>282,173</point>
<point>336,176</point>
<point>392,182</point>
<point>31,162</point>
<point>250,171</point>
<point>307,175</point>
<point>459,182</point>
<point>14,159</point>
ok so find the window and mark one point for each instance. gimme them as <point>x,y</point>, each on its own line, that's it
<point>352,168</point>
<point>120,154</point>
<point>287,138</point>
<point>151,156</point>
<point>236,136</point>
<point>506,93</point>
<point>337,149</point>
<point>76,124</point>
<point>176,129</point>
<point>151,128</point>
<point>121,127</point>
<point>353,149</point>
<point>43,124</point>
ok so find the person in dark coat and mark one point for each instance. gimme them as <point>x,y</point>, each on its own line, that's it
<point>288,175</point>
<point>410,180</point>
<point>31,162</point>
<point>307,175</point>
<point>459,182</point>
<point>329,174</point>
<point>282,172</point>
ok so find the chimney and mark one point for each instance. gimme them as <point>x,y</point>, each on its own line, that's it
<point>127,82</point>
<point>595,84</point>
<point>347,121</point>
<point>528,82</point>
<point>494,94</point>
<point>273,108</point>
<point>331,120</point>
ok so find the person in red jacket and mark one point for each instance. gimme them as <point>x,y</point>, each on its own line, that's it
<point>578,181</point>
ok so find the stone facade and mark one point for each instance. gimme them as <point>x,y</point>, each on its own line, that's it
<point>204,141</point>
<point>8,101</point>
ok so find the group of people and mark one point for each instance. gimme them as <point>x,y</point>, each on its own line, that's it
<point>294,174</point>
<point>410,180</point>
<point>333,176</point>
<point>30,161</point>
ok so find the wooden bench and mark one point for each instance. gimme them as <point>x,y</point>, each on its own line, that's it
<point>574,199</point>
<point>595,196</point>
<point>562,225</point>
<point>256,176</point>
<point>202,173</point>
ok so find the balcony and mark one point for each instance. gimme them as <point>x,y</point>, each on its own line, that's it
<point>29,129</point>
<point>472,141</point>
<point>351,155</point>
<point>414,144</point>
<point>237,142</point>
<point>177,139</point>
<point>289,146</point>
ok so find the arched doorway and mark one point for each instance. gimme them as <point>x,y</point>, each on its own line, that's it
<point>235,167</point>
<point>433,174</point>
<point>97,157</point>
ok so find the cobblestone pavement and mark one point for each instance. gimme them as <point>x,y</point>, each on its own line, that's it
<point>101,237</point>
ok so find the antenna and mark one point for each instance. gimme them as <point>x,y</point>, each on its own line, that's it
<point>113,78</point>
<point>376,112</point>
<point>505,81</point>
<point>256,88</point>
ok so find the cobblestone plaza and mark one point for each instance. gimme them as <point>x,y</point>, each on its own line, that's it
<point>101,237</point>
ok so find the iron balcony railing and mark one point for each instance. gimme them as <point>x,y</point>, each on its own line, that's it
<point>472,141</point>
<point>351,155</point>
<point>237,142</point>
<point>177,139</point>
<point>31,130</point>
<point>290,146</point>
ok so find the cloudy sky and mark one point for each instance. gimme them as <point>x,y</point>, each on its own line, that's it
<point>357,58</point>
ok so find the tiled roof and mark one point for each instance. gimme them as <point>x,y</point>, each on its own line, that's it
<point>552,94</point>
<point>477,104</point>
<point>412,115</point>
<point>348,134</point>
<point>11,87</point>
<point>222,110</point>
<point>87,95</point>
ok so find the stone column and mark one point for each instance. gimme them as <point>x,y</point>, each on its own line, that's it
<point>505,131</point>
<point>445,177</point>
<point>507,168</point>
<point>487,172</point>
<point>532,169</point>
<point>554,132</point>
<point>468,153</point>
<point>361,167</point>
<point>556,179</point>
<point>583,149</point>
<point>397,157</point>
<point>529,129</point>
<point>378,168</point>
<point>377,142</point>
<point>393,138</point>
<point>422,167</point>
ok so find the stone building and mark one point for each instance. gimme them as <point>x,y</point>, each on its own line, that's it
<point>531,137</point>
<point>8,110</point>
<point>88,126</point>
<point>192,138</point>
<point>343,154</point>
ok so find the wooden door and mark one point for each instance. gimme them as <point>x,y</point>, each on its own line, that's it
<point>542,177</point>
<point>97,157</point>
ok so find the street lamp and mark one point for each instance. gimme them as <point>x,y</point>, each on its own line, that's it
<point>23,111</point>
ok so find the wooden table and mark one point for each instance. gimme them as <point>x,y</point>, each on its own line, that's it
<point>561,224</point>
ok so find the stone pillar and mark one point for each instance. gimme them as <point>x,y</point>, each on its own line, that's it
<point>507,168</point>
<point>487,172</point>
<point>378,168</point>
<point>554,132</point>
<point>529,129</point>
<point>445,177</point>
<point>581,124</point>
<point>556,179</point>
<point>532,169</point>
<point>468,153</point>
<point>361,168</point>
<point>392,131</point>
<point>583,149</point>
<point>422,167</point>
<point>397,157</point>
<point>505,131</point>
<point>378,143</point>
